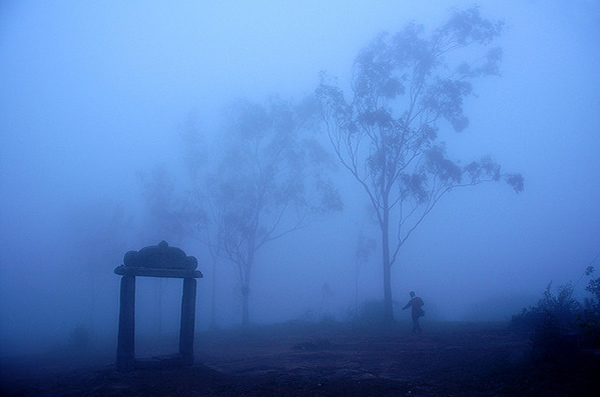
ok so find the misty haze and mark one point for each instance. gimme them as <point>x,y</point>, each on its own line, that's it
<point>382,197</point>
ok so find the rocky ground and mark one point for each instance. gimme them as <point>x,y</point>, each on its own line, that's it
<point>299,359</point>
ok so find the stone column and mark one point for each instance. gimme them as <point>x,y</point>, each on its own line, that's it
<point>188,318</point>
<point>126,342</point>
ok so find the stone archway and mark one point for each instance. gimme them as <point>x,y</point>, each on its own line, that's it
<point>156,261</point>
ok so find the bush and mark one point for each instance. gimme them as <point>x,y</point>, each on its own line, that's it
<point>559,324</point>
<point>552,324</point>
<point>560,311</point>
<point>589,320</point>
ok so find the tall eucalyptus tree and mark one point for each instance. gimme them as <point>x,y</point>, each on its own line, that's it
<point>404,86</point>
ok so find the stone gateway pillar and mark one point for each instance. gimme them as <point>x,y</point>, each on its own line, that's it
<point>156,261</point>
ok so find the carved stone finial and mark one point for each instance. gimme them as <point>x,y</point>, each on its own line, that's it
<point>160,256</point>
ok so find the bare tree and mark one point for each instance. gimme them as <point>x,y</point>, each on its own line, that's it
<point>385,135</point>
<point>270,182</point>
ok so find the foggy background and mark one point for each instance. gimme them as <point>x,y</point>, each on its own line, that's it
<point>93,99</point>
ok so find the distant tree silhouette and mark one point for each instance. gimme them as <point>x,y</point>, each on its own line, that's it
<point>269,181</point>
<point>99,232</point>
<point>364,248</point>
<point>385,134</point>
<point>165,217</point>
<point>200,207</point>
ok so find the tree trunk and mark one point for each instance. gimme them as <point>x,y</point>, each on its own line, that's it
<point>246,277</point>
<point>388,312</point>
<point>245,310</point>
<point>213,297</point>
<point>246,285</point>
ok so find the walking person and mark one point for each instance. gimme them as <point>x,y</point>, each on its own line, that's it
<point>417,311</point>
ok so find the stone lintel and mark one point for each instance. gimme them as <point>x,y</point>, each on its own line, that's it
<point>154,272</point>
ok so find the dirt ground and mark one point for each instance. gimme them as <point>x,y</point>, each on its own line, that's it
<point>298,359</point>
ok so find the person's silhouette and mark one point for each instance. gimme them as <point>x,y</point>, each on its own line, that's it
<point>417,311</point>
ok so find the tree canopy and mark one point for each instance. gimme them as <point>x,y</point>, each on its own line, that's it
<point>404,88</point>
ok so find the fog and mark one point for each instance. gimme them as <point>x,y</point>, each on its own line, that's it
<point>94,98</point>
